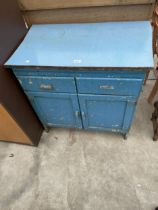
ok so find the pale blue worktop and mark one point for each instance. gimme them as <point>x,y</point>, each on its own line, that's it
<point>114,44</point>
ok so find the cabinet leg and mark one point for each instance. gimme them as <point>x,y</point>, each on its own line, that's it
<point>46,129</point>
<point>154,120</point>
<point>125,136</point>
<point>155,138</point>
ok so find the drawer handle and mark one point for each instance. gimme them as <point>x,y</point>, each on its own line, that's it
<point>46,87</point>
<point>106,87</point>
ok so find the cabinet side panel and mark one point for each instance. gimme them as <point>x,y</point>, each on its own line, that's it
<point>16,103</point>
<point>10,130</point>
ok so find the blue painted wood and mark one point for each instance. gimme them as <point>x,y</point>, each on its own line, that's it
<point>49,84</point>
<point>110,113</point>
<point>118,110</point>
<point>137,74</point>
<point>117,44</point>
<point>129,115</point>
<point>109,86</point>
<point>80,89</point>
<point>58,110</point>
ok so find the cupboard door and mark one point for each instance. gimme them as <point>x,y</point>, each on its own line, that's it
<point>58,110</point>
<point>113,113</point>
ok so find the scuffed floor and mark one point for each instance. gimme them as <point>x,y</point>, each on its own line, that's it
<point>78,170</point>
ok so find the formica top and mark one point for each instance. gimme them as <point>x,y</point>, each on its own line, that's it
<point>101,45</point>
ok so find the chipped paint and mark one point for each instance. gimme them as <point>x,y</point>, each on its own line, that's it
<point>77,61</point>
<point>115,130</point>
<point>30,82</point>
<point>20,81</point>
<point>115,125</point>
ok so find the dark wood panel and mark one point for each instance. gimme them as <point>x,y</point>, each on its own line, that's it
<point>10,130</point>
<point>12,31</point>
<point>12,28</point>
<point>91,14</point>
<point>54,4</point>
<point>16,103</point>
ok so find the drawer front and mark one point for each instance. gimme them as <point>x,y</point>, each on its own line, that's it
<point>48,84</point>
<point>110,86</point>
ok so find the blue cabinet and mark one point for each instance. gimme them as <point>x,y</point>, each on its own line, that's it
<point>83,110</point>
<point>85,76</point>
<point>85,100</point>
<point>59,110</point>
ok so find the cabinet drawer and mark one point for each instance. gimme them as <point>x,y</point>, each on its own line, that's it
<point>110,86</point>
<point>48,84</point>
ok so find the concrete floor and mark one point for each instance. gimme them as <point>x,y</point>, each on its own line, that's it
<point>78,170</point>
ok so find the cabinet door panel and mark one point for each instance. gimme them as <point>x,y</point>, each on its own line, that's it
<point>59,110</point>
<point>106,112</point>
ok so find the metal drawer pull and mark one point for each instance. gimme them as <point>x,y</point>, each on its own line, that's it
<point>46,87</point>
<point>106,87</point>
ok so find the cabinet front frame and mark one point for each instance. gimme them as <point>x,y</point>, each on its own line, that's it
<point>114,74</point>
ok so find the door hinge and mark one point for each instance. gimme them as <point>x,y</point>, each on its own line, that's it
<point>77,114</point>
